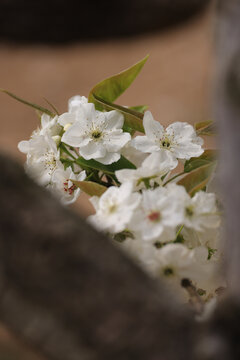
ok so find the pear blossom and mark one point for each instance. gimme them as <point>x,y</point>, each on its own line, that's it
<point>175,261</point>
<point>79,110</point>
<point>43,158</point>
<point>153,168</point>
<point>115,208</point>
<point>201,211</point>
<point>50,126</point>
<point>62,185</point>
<point>157,214</point>
<point>98,135</point>
<point>179,139</point>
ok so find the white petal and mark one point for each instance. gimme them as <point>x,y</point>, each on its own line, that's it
<point>24,146</point>
<point>114,120</point>
<point>143,144</point>
<point>93,150</point>
<point>153,129</point>
<point>66,118</point>
<point>109,158</point>
<point>74,135</point>
<point>114,141</point>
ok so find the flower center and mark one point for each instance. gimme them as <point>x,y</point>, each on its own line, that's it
<point>189,211</point>
<point>168,271</point>
<point>70,190</point>
<point>154,216</point>
<point>50,162</point>
<point>96,134</point>
<point>112,208</point>
<point>166,142</point>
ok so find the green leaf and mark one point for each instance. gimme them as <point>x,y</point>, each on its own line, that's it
<point>205,128</point>
<point>35,106</point>
<point>208,157</point>
<point>111,88</point>
<point>198,178</point>
<point>89,187</point>
<point>139,108</point>
<point>122,163</point>
<point>132,118</point>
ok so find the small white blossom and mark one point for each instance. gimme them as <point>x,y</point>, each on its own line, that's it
<point>62,185</point>
<point>43,158</point>
<point>153,168</point>
<point>175,261</point>
<point>158,214</point>
<point>50,126</point>
<point>114,208</point>
<point>201,211</point>
<point>179,139</point>
<point>98,136</point>
<point>78,111</point>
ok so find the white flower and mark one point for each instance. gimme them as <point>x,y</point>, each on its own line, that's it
<point>76,102</point>
<point>201,211</point>
<point>43,158</point>
<point>50,126</point>
<point>158,214</point>
<point>78,111</point>
<point>175,261</point>
<point>179,139</point>
<point>63,186</point>
<point>98,135</point>
<point>152,170</point>
<point>114,208</point>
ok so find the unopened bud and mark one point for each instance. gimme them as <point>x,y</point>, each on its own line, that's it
<point>67,126</point>
<point>57,139</point>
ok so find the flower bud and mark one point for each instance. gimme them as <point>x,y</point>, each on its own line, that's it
<point>57,139</point>
<point>67,126</point>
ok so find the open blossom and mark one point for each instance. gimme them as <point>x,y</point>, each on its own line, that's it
<point>114,209</point>
<point>201,211</point>
<point>78,110</point>
<point>175,261</point>
<point>179,139</point>
<point>153,168</point>
<point>43,158</point>
<point>62,185</point>
<point>157,215</point>
<point>98,135</point>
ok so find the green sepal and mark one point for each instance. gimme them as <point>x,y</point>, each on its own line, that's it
<point>89,187</point>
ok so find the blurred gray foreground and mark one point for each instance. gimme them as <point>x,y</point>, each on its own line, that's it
<point>71,295</point>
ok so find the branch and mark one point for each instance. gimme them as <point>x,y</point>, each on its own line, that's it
<point>70,293</point>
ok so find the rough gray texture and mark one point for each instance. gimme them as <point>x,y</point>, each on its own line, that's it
<point>68,291</point>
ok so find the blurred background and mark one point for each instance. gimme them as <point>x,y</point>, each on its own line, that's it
<point>57,49</point>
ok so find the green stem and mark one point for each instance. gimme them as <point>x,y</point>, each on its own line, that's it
<point>174,177</point>
<point>179,231</point>
<point>63,147</point>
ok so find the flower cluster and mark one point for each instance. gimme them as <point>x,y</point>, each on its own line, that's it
<point>149,191</point>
